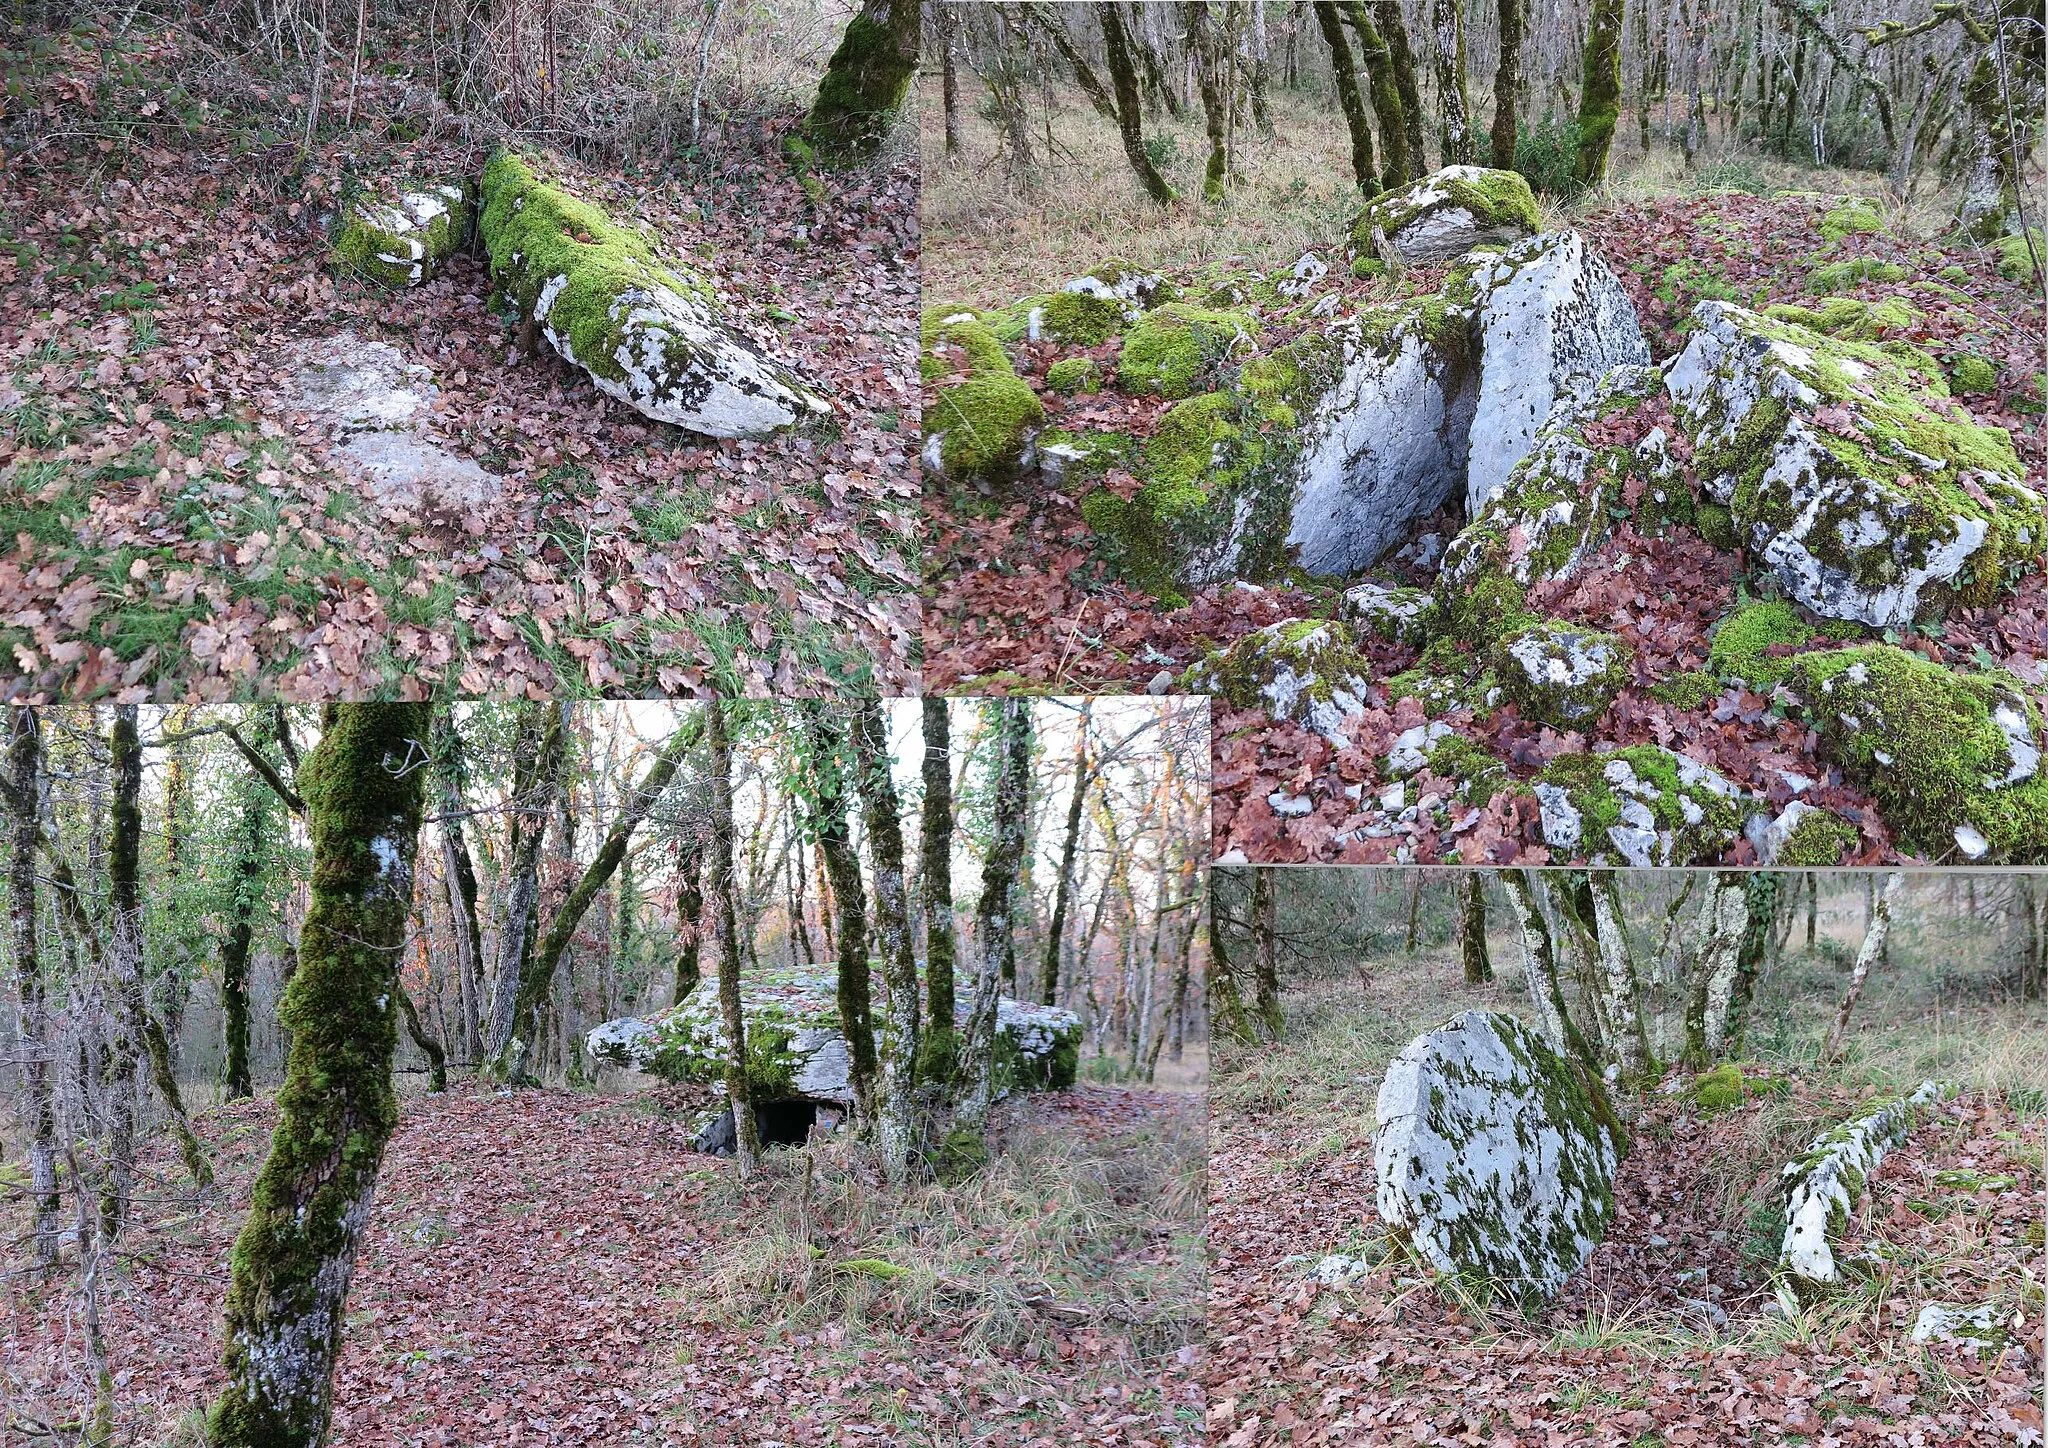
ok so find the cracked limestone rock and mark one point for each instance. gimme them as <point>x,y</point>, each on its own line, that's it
<point>796,1049</point>
<point>1553,320</point>
<point>1493,1160</point>
<point>1561,674</point>
<point>1399,615</point>
<point>1553,509</point>
<point>405,241</point>
<point>1824,1186</point>
<point>1842,470</point>
<point>372,400</point>
<point>1445,215</point>
<point>1307,670</point>
<point>649,333</point>
<point>1953,756</point>
<point>1644,806</point>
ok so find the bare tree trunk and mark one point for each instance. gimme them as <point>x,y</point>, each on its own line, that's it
<point>690,915</point>
<point>1873,948</point>
<point>38,1111</point>
<point>1539,969</point>
<point>1629,1043</point>
<point>1266,954</point>
<point>1719,940</point>
<point>295,1256</point>
<point>738,1094</point>
<point>949,77</point>
<point>536,775</point>
<point>883,818</point>
<point>1049,975</point>
<point>835,843</point>
<point>1447,31</point>
<point>935,872</point>
<point>1760,892</point>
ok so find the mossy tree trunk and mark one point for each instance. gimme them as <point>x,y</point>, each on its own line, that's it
<point>1130,122</point>
<point>865,81</point>
<point>124,909</point>
<point>1070,841</point>
<point>1760,900</point>
<point>1226,997</point>
<point>1388,106</point>
<point>689,915</point>
<point>38,1101</point>
<point>251,844</point>
<point>539,968</point>
<point>1599,89</point>
<point>295,1255</point>
<point>1872,950</point>
<point>898,1055</point>
<point>1266,954</point>
<point>826,784</point>
<point>1507,81</point>
<point>966,1147</point>
<point>1203,51</point>
<point>1472,929</point>
<point>538,755</point>
<point>1539,970</point>
<point>1328,18</point>
<point>1718,943</point>
<point>738,1095</point>
<point>935,874</point>
<point>1447,33</point>
<point>1394,29</point>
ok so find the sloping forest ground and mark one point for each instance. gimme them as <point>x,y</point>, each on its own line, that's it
<point>1625,1355</point>
<point>172,529</point>
<point>555,1267</point>
<point>1023,596</point>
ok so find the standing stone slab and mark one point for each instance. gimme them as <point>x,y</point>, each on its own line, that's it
<point>1494,1163</point>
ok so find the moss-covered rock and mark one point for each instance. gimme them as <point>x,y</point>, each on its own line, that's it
<point>1307,670</point>
<point>1082,318</point>
<point>647,331</point>
<point>1177,350</point>
<point>1644,805</point>
<point>1557,505</point>
<point>1971,373</point>
<point>1743,643</point>
<point>1841,467</point>
<point>1400,615</point>
<point>1561,674</point>
<point>1070,375</point>
<point>1838,276</point>
<point>1953,757</point>
<point>1445,215</point>
<point>956,340</point>
<point>404,241</point>
<point>2021,255</point>
<point>1803,836</point>
<point>1688,690</point>
<point>1855,214</point>
<point>982,421</point>
<point>1850,317</point>
<point>1718,1089</point>
<point>1495,1157</point>
<point>795,1046</point>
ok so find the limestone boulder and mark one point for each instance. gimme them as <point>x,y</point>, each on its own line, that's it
<point>796,1049</point>
<point>1645,806</point>
<point>405,239</point>
<point>1400,615</point>
<point>1824,1185</point>
<point>1845,470</point>
<point>1495,1158</point>
<point>1954,756</point>
<point>1445,215</point>
<point>1561,674</point>
<point>1555,505</point>
<point>1306,670</point>
<point>1552,320</point>
<point>648,331</point>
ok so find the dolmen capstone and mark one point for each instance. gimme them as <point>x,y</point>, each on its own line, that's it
<point>1495,1156</point>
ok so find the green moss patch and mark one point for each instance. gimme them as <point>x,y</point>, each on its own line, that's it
<point>1176,350</point>
<point>1837,276</point>
<point>1857,214</point>
<point>1070,375</point>
<point>1742,645</point>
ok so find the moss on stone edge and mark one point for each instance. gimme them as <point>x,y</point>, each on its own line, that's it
<point>1953,757</point>
<point>400,243</point>
<point>1081,319</point>
<point>2018,262</point>
<point>1399,615</point>
<point>1836,276</point>
<point>1175,350</point>
<point>1499,201</point>
<point>981,428</point>
<point>1738,650</point>
<point>1818,839</point>
<point>950,336</point>
<point>1561,674</point>
<point>1971,373</point>
<point>1643,787</point>
<point>1478,774</point>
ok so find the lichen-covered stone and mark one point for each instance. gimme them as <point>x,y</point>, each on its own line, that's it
<point>1176,350</point>
<point>1954,757</point>
<point>1552,319</point>
<point>1821,1188</point>
<point>1410,753</point>
<point>372,397</point>
<point>796,1049</point>
<point>404,241</point>
<point>1644,806</point>
<point>1445,215</point>
<point>1494,1156</point>
<point>1399,615</point>
<point>1837,469</point>
<point>648,332</point>
<point>1982,1326</point>
<point>1555,507</point>
<point>1561,674</point>
<point>1307,670</point>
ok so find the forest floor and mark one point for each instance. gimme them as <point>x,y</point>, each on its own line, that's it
<point>1024,596</point>
<point>174,528</point>
<point>1626,1355</point>
<point>557,1267</point>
